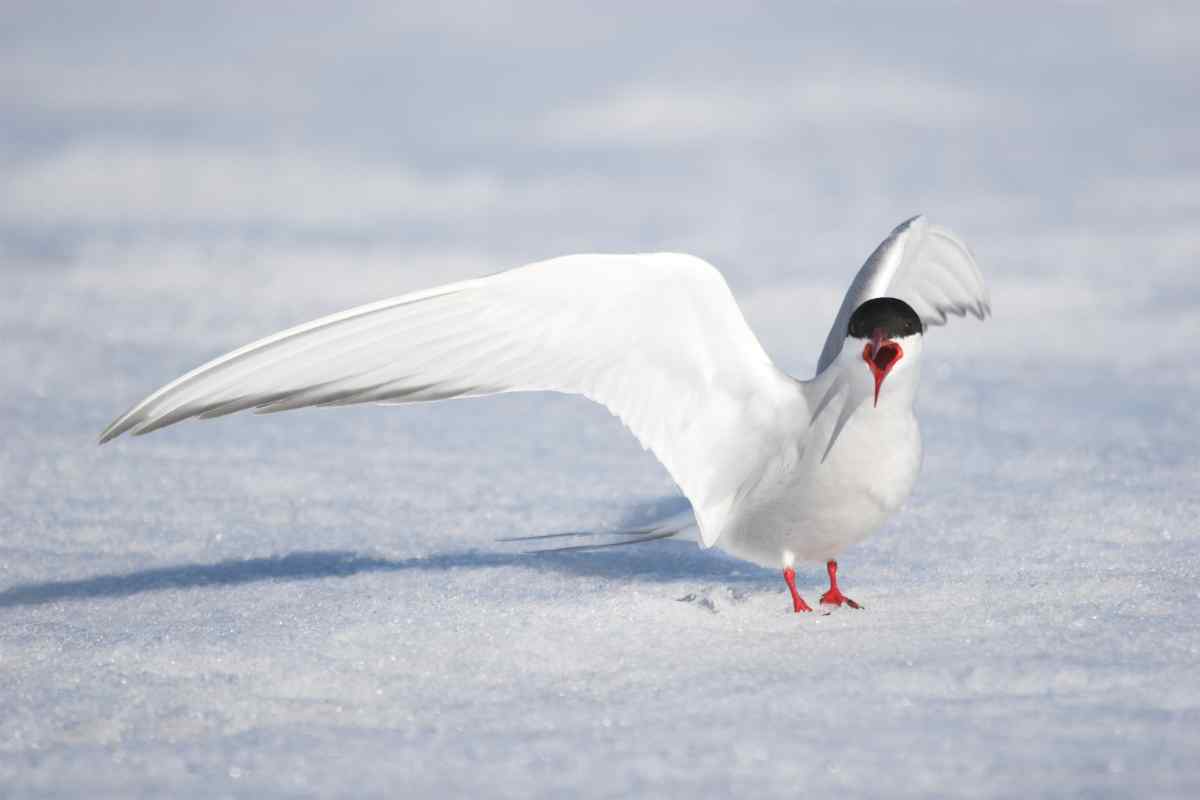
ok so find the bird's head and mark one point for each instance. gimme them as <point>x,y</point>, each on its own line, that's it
<point>884,338</point>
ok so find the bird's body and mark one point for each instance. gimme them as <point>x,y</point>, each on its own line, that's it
<point>777,470</point>
<point>806,509</point>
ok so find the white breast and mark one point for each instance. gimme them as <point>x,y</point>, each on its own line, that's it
<point>816,508</point>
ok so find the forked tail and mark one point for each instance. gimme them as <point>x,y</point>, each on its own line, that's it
<point>677,526</point>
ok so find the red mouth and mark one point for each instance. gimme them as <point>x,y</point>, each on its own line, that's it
<point>881,355</point>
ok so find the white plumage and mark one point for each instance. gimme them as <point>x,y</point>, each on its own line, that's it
<point>924,265</point>
<point>658,339</point>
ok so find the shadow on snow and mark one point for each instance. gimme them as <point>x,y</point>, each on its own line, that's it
<point>660,561</point>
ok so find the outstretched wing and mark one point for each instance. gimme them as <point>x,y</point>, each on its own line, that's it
<point>925,266</point>
<point>657,338</point>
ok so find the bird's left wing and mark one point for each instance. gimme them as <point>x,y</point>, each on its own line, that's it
<point>657,338</point>
<point>927,267</point>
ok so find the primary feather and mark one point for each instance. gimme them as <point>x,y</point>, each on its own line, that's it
<point>657,338</point>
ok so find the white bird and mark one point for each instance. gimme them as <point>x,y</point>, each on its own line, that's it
<point>776,469</point>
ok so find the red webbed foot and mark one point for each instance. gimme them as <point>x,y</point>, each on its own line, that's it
<point>834,596</point>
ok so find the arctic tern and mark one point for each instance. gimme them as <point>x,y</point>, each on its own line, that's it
<point>777,470</point>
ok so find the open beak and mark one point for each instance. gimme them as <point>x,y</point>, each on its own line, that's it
<point>881,355</point>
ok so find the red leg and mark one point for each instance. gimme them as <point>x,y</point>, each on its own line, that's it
<point>834,596</point>
<point>798,603</point>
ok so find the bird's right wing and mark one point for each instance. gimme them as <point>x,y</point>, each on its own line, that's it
<point>657,338</point>
<point>925,266</point>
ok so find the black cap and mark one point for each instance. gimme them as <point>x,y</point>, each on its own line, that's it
<point>895,318</point>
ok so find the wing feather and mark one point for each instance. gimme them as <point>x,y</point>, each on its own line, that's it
<point>927,267</point>
<point>657,338</point>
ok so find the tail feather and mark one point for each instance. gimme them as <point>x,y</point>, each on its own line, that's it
<point>600,546</point>
<point>641,532</point>
<point>679,525</point>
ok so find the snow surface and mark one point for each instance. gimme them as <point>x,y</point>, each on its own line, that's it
<point>315,603</point>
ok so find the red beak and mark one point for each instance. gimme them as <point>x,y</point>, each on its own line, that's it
<point>881,355</point>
